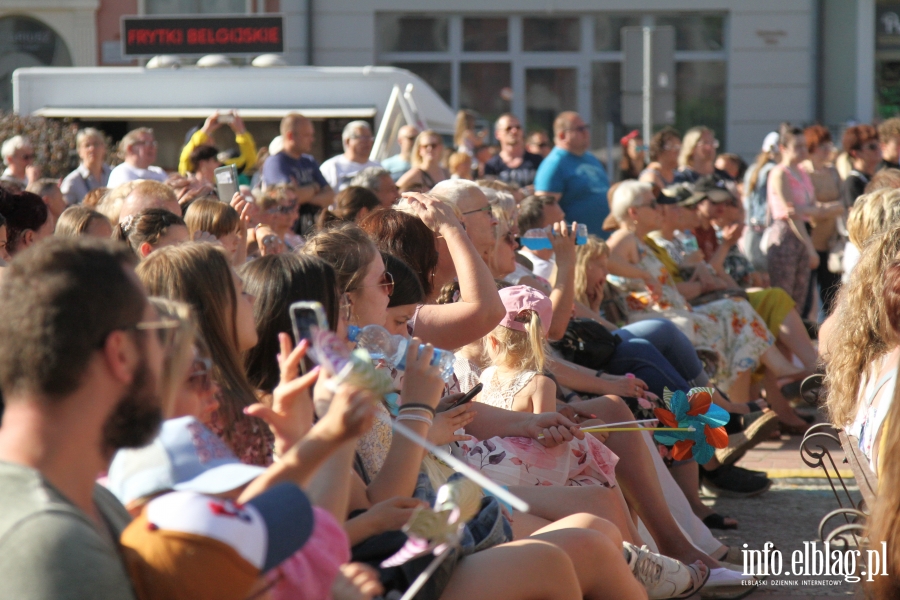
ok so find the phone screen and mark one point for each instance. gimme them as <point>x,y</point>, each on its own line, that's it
<point>306,319</point>
<point>226,183</point>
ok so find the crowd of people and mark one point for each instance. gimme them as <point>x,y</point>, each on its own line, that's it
<point>168,433</point>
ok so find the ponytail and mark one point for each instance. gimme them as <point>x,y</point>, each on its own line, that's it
<point>536,342</point>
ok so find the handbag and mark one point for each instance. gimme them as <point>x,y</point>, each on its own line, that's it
<point>587,343</point>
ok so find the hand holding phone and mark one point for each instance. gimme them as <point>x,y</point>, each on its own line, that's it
<point>470,395</point>
<point>226,182</point>
<point>306,319</point>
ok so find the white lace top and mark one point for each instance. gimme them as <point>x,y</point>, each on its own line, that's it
<point>502,393</point>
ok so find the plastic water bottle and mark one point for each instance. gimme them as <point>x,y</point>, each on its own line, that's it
<point>539,239</point>
<point>381,345</point>
<point>536,239</point>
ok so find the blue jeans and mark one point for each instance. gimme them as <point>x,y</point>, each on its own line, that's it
<point>657,353</point>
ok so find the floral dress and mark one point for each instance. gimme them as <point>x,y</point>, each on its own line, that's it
<point>730,328</point>
<point>523,461</point>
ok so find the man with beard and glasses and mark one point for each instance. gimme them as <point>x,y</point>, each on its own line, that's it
<point>80,359</point>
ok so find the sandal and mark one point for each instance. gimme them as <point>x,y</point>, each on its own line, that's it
<point>665,577</point>
<point>717,521</point>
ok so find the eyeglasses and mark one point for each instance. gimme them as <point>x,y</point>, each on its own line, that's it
<point>544,145</point>
<point>284,210</point>
<point>714,143</point>
<point>871,146</point>
<point>200,379</point>
<point>387,282</point>
<point>28,156</point>
<point>151,143</point>
<point>510,239</point>
<point>670,147</point>
<point>512,128</point>
<point>580,128</point>
<point>428,146</point>
<point>485,208</point>
<point>364,138</point>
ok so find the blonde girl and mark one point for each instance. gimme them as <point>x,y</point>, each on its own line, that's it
<point>517,349</point>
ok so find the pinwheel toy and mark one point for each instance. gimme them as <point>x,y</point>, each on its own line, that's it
<point>700,423</point>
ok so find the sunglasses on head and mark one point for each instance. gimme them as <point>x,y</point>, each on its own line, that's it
<point>200,378</point>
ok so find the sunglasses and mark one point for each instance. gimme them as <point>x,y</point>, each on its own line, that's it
<point>512,128</point>
<point>165,329</point>
<point>871,146</point>
<point>200,379</point>
<point>284,210</point>
<point>651,205</point>
<point>28,156</point>
<point>386,281</point>
<point>544,145</point>
<point>580,128</point>
<point>510,239</point>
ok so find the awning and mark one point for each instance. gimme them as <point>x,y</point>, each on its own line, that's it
<point>168,114</point>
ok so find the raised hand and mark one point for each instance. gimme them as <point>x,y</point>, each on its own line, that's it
<point>422,382</point>
<point>291,413</point>
<point>434,213</point>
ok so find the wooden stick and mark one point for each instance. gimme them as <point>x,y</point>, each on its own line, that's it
<point>602,428</point>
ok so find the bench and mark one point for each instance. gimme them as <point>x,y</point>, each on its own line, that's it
<point>816,451</point>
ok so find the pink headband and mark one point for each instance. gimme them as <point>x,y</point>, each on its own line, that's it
<point>520,298</point>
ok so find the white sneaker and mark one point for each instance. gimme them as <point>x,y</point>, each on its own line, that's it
<point>664,577</point>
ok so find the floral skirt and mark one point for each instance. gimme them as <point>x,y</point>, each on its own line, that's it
<point>730,328</point>
<point>523,461</point>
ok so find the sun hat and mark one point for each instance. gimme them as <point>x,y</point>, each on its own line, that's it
<point>519,298</point>
<point>184,456</point>
<point>186,545</point>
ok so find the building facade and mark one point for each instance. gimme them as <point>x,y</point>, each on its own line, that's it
<point>741,66</point>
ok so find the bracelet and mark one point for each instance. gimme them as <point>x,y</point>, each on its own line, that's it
<point>411,409</point>
<point>404,417</point>
<point>418,405</point>
<point>599,373</point>
<point>568,397</point>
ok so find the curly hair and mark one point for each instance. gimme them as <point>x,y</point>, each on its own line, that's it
<point>862,329</point>
<point>872,214</point>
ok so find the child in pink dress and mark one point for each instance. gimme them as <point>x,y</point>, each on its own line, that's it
<point>515,382</point>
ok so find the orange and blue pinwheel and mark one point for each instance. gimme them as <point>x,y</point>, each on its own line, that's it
<point>703,420</point>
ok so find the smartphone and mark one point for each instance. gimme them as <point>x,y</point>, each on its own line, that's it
<point>226,182</point>
<point>468,397</point>
<point>306,319</point>
<point>226,118</point>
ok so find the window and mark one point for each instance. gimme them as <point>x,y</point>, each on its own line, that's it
<point>696,31</point>
<point>548,92</point>
<point>188,7</point>
<point>538,65</point>
<point>485,88</point>
<point>27,42</point>
<point>412,33</point>
<point>437,75</point>
<point>607,30</point>
<point>485,35</point>
<point>700,95</point>
<point>551,34</point>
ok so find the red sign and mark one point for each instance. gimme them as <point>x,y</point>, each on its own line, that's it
<point>240,34</point>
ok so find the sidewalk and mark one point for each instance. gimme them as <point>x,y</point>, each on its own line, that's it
<point>787,515</point>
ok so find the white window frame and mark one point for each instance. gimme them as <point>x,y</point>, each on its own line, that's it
<point>520,60</point>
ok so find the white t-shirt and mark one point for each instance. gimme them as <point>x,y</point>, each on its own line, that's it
<point>339,170</point>
<point>124,173</point>
<point>542,268</point>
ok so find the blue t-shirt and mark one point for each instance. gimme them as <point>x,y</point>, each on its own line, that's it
<point>583,183</point>
<point>396,166</point>
<point>283,168</point>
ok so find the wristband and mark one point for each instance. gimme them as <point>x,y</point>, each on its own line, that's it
<point>408,417</point>
<point>414,409</point>
<point>418,405</point>
<point>568,397</point>
<point>599,373</point>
